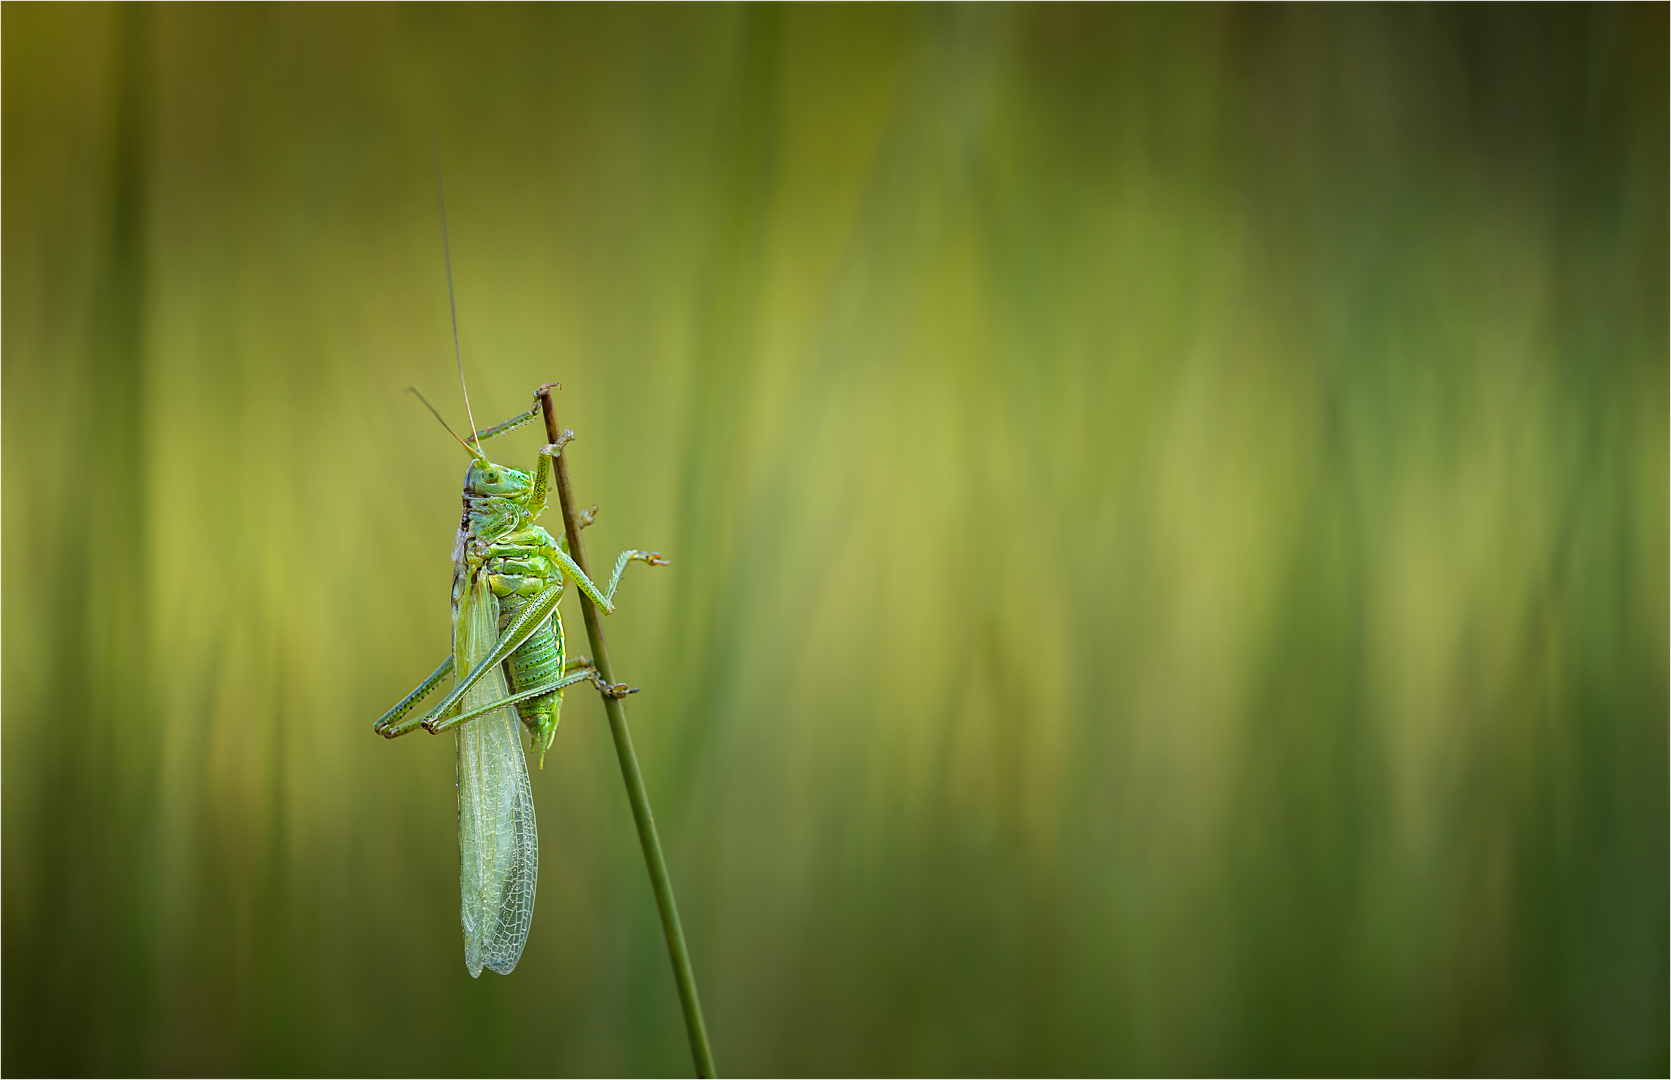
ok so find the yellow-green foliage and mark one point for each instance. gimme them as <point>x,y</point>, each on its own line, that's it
<point>1168,512</point>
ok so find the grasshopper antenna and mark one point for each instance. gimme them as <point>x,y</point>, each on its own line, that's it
<point>452,305</point>
<point>475,452</point>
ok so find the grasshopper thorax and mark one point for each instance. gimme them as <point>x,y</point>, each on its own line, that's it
<point>498,500</point>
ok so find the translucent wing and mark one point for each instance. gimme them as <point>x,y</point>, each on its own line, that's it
<point>498,848</point>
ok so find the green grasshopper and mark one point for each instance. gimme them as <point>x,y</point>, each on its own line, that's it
<point>508,576</point>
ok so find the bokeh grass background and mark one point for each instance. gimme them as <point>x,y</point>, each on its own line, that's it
<point>1169,510</point>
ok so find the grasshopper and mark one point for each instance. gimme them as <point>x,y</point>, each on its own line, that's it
<point>508,576</point>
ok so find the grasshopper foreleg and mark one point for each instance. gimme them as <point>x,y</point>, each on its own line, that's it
<point>509,425</point>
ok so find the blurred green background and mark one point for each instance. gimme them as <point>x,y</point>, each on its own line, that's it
<point>1169,510</point>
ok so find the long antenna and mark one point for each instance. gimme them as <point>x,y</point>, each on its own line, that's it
<point>476,453</point>
<point>452,305</point>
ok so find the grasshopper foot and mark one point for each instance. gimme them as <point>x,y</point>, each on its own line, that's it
<point>551,450</point>
<point>614,690</point>
<point>606,688</point>
<point>586,517</point>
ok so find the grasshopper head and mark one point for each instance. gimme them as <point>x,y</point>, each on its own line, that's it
<point>486,478</point>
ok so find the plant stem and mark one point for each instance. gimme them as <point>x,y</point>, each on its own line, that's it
<point>641,815</point>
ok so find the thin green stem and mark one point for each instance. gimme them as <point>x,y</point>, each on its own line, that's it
<point>641,815</point>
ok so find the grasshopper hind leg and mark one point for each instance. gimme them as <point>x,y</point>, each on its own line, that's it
<point>388,724</point>
<point>544,727</point>
<point>607,689</point>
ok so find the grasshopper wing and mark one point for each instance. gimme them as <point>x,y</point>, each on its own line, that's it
<point>498,848</point>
